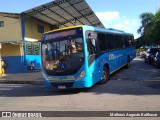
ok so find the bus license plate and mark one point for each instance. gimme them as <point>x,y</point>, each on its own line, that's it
<point>61,86</point>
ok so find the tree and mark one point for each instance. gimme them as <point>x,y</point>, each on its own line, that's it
<point>150,28</point>
<point>147,20</point>
<point>157,28</point>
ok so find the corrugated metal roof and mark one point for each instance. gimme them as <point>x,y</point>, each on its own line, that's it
<point>62,13</point>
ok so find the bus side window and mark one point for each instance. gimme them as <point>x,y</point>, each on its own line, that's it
<point>126,40</point>
<point>91,44</point>
<point>131,42</point>
<point>111,41</point>
<point>118,41</point>
<point>103,45</point>
<point>123,42</point>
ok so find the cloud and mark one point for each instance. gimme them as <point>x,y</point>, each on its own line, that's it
<point>113,19</point>
<point>128,25</point>
<point>108,16</point>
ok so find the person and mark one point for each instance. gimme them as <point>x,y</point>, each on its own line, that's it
<point>3,65</point>
<point>32,65</point>
<point>71,49</point>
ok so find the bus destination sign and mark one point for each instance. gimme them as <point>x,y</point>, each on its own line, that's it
<point>59,34</point>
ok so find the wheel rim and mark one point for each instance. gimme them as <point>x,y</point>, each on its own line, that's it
<point>104,78</point>
<point>104,75</point>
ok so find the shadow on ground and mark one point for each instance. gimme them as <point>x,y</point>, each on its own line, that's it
<point>120,87</point>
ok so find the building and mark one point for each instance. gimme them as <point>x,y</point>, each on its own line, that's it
<point>11,40</point>
<point>19,33</point>
<point>19,42</point>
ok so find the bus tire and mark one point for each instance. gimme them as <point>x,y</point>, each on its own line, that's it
<point>105,76</point>
<point>128,63</point>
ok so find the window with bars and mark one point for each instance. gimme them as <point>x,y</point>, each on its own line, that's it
<point>1,23</point>
<point>32,48</point>
<point>40,28</point>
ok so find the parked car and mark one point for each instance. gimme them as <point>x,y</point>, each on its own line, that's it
<point>142,54</point>
<point>156,60</point>
<point>150,54</point>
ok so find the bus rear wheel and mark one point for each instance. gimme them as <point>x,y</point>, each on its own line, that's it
<point>128,63</point>
<point>105,76</point>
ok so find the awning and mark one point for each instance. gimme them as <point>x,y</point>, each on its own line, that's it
<point>63,13</point>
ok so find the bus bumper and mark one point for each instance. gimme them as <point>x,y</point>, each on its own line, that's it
<point>86,82</point>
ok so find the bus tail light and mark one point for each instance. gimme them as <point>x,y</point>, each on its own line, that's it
<point>82,74</point>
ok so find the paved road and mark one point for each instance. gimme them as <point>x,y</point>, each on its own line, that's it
<point>134,89</point>
<point>139,70</point>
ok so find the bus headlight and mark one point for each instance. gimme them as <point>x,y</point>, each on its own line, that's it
<point>81,74</point>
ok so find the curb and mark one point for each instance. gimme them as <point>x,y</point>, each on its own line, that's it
<point>38,82</point>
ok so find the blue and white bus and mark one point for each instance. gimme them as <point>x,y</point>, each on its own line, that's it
<point>81,56</point>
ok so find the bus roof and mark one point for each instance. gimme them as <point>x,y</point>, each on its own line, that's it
<point>109,30</point>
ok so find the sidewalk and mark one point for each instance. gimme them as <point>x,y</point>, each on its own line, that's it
<point>22,78</point>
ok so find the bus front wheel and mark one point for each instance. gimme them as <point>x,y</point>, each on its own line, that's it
<point>105,76</point>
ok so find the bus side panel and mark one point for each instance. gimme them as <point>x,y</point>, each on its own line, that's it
<point>116,60</point>
<point>121,57</point>
<point>132,54</point>
<point>129,52</point>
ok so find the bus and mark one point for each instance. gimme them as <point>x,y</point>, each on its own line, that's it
<point>81,56</point>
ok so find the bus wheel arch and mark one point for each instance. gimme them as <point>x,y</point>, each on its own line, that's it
<point>106,74</point>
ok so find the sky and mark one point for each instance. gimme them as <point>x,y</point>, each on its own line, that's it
<point>118,14</point>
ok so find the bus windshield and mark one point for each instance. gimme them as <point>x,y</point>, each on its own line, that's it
<point>62,56</point>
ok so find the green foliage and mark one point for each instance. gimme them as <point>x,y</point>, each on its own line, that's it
<point>149,29</point>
